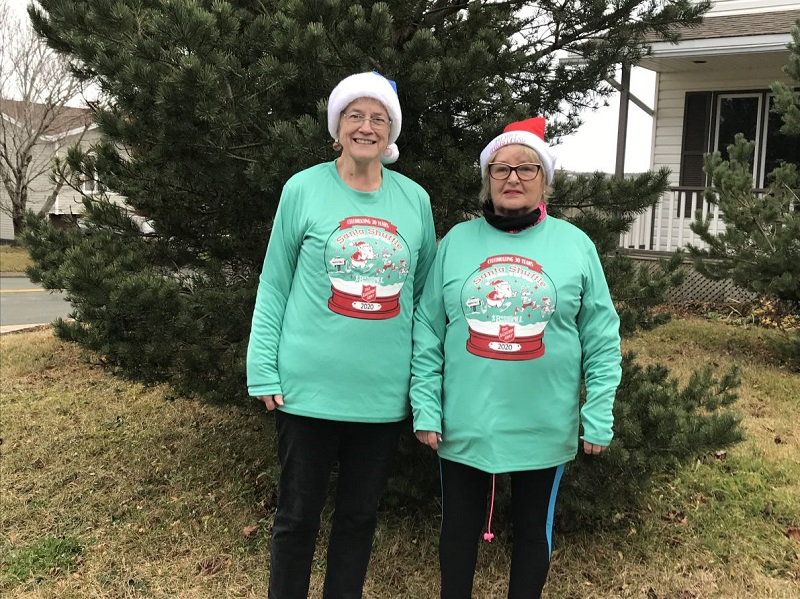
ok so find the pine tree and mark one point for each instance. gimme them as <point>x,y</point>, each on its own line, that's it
<point>604,208</point>
<point>759,248</point>
<point>787,100</point>
<point>210,106</point>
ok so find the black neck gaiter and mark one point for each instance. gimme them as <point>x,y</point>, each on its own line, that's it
<point>509,223</point>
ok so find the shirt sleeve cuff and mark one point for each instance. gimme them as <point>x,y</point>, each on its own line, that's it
<point>259,390</point>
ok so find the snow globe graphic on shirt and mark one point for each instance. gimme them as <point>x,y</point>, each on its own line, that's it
<point>507,303</point>
<point>367,262</point>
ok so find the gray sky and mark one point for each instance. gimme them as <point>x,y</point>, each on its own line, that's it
<point>593,147</point>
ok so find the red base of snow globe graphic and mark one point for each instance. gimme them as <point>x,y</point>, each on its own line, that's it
<point>507,303</point>
<point>367,262</point>
<point>504,345</point>
<point>367,305</point>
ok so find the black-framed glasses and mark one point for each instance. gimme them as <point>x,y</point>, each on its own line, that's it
<point>525,172</point>
<point>356,118</point>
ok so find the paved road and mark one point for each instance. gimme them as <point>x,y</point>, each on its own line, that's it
<point>23,303</point>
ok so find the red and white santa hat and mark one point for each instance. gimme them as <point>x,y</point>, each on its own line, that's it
<point>368,85</point>
<point>529,132</point>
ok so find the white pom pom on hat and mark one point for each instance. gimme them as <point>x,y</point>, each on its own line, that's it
<point>368,85</point>
<point>529,132</point>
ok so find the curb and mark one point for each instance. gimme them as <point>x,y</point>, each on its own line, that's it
<point>23,328</point>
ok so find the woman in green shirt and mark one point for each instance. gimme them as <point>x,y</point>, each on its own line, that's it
<point>330,345</point>
<point>515,313</point>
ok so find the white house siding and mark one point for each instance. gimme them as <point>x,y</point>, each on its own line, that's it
<point>37,188</point>
<point>69,200</point>
<point>738,7</point>
<point>667,136</point>
<point>6,227</point>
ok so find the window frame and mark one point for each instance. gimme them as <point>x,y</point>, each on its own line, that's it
<point>758,156</point>
<point>711,123</point>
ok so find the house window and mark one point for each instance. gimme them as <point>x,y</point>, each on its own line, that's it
<point>711,122</point>
<point>737,113</point>
<point>91,186</point>
<point>752,115</point>
<point>778,148</point>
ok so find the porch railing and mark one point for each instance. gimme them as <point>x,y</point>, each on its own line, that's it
<point>666,226</point>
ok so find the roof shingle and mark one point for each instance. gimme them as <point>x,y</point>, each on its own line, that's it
<point>66,118</point>
<point>767,23</point>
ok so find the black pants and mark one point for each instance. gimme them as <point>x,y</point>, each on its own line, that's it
<point>464,507</point>
<point>307,451</point>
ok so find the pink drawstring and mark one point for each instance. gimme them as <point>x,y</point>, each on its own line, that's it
<point>488,535</point>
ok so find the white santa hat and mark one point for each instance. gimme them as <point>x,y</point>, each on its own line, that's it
<point>368,85</point>
<point>529,132</point>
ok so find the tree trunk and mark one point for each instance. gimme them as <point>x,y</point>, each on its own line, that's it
<point>18,208</point>
<point>18,219</point>
<point>51,199</point>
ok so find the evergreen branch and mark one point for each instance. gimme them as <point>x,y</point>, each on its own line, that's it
<point>242,158</point>
<point>441,10</point>
<point>429,19</point>
<point>744,203</point>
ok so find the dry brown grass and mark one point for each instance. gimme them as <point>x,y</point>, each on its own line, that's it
<point>158,492</point>
<point>14,259</point>
<point>157,489</point>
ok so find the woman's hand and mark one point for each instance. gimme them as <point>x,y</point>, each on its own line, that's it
<point>592,449</point>
<point>429,438</point>
<point>271,401</point>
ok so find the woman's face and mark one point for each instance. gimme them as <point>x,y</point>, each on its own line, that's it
<point>364,141</point>
<point>512,197</point>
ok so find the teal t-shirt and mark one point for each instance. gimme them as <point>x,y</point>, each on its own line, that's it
<point>507,325</point>
<point>343,271</point>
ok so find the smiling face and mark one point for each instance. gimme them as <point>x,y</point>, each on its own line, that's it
<point>512,197</point>
<point>362,142</point>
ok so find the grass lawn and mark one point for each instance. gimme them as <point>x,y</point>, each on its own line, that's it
<point>14,259</point>
<point>112,489</point>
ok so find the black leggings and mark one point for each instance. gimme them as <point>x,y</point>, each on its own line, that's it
<point>307,451</point>
<point>464,507</point>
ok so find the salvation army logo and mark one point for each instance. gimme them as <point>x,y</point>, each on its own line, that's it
<point>507,303</point>
<point>367,262</point>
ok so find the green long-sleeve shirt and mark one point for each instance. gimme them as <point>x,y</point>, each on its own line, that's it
<point>507,325</point>
<point>343,271</point>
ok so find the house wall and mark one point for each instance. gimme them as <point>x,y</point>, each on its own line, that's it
<point>69,200</point>
<point>37,188</point>
<point>6,228</point>
<point>671,95</point>
<point>738,7</point>
<point>668,125</point>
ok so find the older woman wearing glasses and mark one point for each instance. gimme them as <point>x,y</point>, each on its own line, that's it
<point>515,314</point>
<point>330,345</point>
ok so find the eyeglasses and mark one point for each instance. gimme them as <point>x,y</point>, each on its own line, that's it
<point>377,122</point>
<point>525,172</point>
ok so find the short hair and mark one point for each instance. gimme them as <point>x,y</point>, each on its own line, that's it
<point>530,154</point>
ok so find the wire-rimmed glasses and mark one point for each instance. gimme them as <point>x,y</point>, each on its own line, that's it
<point>356,118</point>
